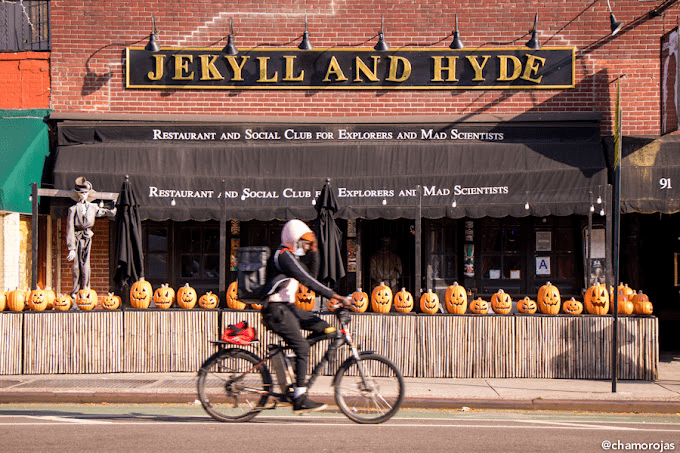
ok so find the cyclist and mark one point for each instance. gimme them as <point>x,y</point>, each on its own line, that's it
<point>295,261</point>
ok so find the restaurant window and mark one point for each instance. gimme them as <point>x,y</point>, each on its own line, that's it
<point>24,25</point>
<point>557,253</point>
<point>441,267</point>
<point>156,253</point>
<point>502,247</point>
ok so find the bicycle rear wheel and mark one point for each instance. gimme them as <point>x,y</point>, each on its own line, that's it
<point>372,396</point>
<point>231,385</point>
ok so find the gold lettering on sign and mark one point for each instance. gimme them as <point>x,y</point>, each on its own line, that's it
<point>263,71</point>
<point>289,70</point>
<point>394,67</point>
<point>361,67</point>
<point>503,73</point>
<point>450,68</point>
<point>532,67</point>
<point>182,67</point>
<point>160,59</point>
<point>208,69</point>
<point>334,68</point>
<point>237,68</point>
<point>477,67</point>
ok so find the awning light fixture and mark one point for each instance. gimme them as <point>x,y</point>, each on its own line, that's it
<point>305,44</point>
<point>456,43</point>
<point>381,45</point>
<point>230,48</point>
<point>152,45</point>
<point>533,43</point>
<point>615,25</point>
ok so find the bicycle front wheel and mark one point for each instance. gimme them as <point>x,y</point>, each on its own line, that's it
<point>369,390</point>
<point>233,385</point>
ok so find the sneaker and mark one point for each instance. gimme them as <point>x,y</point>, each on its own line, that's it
<point>304,404</point>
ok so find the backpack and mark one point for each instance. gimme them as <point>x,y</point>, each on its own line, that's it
<point>252,272</point>
<point>240,334</point>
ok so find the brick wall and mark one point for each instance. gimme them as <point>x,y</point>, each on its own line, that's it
<point>88,41</point>
<point>24,80</point>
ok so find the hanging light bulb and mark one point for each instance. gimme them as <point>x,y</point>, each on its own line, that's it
<point>526,205</point>
<point>173,202</point>
<point>454,204</point>
<point>599,199</point>
<point>592,208</point>
<point>384,202</point>
<point>602,212</point>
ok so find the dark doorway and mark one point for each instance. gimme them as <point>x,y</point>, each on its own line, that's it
<point>388,254</point>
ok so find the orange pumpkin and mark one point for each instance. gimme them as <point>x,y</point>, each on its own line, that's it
<point>86,299</point>
<point>596,300</point>
<point>501,302</point>
<point>623,299</point>
<point>429,302</point>
<point>625,306</point>
<point>305,298</point>
<point>41,299</point>
<point>232,297</point>
<point>381,298</point>
<point>63,302</point>
<point>360,299</point>
<point>479,306</point>
<point>403,301</point>
<point>455,299</point>
<point>572,307</point>
<point>208,300</point>
<point>3,300</point>
<point>549,299</point>
<point>186,297</point>
<point>527,306</point>
<point>16,300</point>
<point>164,296</point>
<point>641,304</point>
<point>256,306</point>
<point>141,294</point>
<point>111,302</point>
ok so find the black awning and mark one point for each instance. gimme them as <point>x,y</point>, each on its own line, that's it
<point>371,178</point>
<point>650,176</point>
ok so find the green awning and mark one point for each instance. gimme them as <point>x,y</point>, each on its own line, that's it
<point>24,146</point>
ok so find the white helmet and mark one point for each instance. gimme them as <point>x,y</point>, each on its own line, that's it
<point>293,231</point>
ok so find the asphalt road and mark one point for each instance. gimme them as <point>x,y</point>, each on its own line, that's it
<point>181,428</point>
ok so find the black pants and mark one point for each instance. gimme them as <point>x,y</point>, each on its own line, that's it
<point>286,320</point>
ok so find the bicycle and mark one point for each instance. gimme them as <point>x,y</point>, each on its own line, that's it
<point>234,384</point>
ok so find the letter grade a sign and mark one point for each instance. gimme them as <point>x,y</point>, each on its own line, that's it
<point>353,69</point>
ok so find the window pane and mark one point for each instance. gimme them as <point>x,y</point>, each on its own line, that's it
<point>157,266</point>
<point>511,240</point>
<point>564,240</point>
<point>511,263</point>
<point>212,266</point>
<point>491,263</point>
<point>191,240</point>
<point>158,240</point>
<point>211,240</point>
<point>190,266</point>
<point>565,267</point>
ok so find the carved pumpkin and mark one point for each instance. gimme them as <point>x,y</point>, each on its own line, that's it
<point>256,306</point>
<point>3,300</point>
<point>527,306</point>
<point>549,299</point>
<point>641,304</point>
<point>572,307</point>
<point>208,300</point>
<point>186,297</point>
<point>305,298</point>
<point>501,302</point>
<point>596,300</point>
<point>141,294</point>
<point>429,302</point>
<point>455,299</point>
<point>479,306</point>
<point>164,296</point>
<point>16,300</point>
<point>41,299</point>
<point>111,302</point>
<point>86,299</point>
<point>403,301</point>
<point>381,298</point>
<point>360,299</point>
<point>232,297</point>
<point>63,302</point>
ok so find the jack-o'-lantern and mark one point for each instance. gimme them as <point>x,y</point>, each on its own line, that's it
<point>360,299</point>
<point>186,297</point>
<point>549,299</point>
<point>16,300</point>
<point>429,302</point>
<point>141,294</point>
<point>381,298</point>
<point>63,302</point>
<point>208,300</point>
<point>41,299</point>
<point>232,297</point>
<point>3,300</point>
<point>596,300</point>
<point>479,306</point>
<point>305,298</point>
<point>111,302</point>
<point>527,306</point>
<point>501,302</point>
<point>86,299</point>
<point>455,299</point>
<point>641,304</point>
<point>164,296</point>
<point>572,307</point>
<point>403,301</point>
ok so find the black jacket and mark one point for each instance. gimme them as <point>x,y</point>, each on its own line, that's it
<point>284,264</point>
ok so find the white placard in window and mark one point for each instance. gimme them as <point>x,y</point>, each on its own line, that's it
<point>542,265</point>
<point>494,274</point>
<point>543,241</point>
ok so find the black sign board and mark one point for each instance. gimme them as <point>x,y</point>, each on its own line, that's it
<point>353,69</point>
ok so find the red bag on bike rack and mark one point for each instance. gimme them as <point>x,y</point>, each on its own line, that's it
<point>240,334</point>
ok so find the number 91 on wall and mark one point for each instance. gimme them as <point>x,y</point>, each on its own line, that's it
<point>665,183</point>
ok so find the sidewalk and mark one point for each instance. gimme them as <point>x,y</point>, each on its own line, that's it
<point>661,396</point>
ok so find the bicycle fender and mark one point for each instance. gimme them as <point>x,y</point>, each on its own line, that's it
<point>348,361</point>
<point>221,351</point>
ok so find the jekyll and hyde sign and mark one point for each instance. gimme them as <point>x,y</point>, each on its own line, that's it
<point>342,68</point>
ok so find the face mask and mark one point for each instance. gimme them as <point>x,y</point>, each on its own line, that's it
<point>299,251</point>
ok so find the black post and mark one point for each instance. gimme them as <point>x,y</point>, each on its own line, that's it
<point>222,283</point>
<point>418,270</point>
<point>34,235</point>
<point>589,257</point>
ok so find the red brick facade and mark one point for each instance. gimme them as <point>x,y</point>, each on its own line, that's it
<point>89,38</point>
